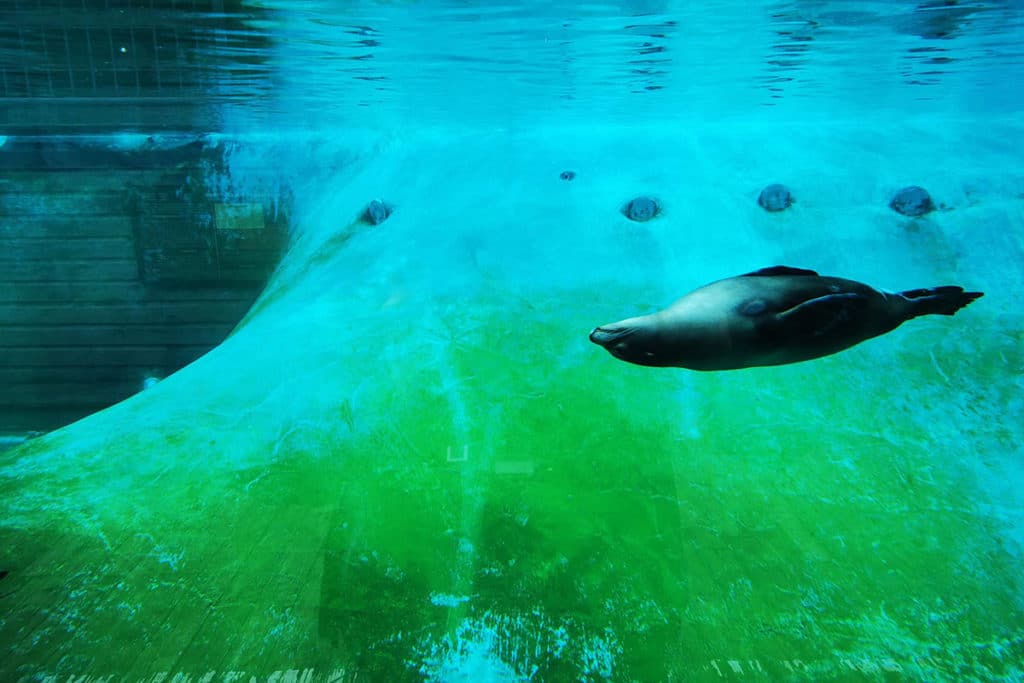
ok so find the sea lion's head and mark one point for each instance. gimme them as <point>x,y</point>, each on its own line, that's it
<point>633,340</point>
<point>660,342</point>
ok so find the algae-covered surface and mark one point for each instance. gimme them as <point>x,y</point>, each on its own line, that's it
<point>408,463</point>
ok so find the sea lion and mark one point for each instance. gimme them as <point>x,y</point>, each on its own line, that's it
<point>772,316</point>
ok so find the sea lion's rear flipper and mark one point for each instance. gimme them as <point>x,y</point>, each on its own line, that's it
<point>780,270</point>
<point>826,315</point>
<point>939,300</point>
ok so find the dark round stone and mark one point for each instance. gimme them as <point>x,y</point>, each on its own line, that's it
<point>912,201</point>
<point>775,197</point>
<point>567,175</point>
<point>641,209</point>
<point>377,212</point>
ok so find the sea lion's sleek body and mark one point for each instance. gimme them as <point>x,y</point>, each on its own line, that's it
<point>772,316</point>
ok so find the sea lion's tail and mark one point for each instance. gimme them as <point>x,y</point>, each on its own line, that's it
<point>938,300</point>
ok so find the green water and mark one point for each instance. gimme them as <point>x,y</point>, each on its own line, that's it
<point>408,462</point>
<point>489,514</point>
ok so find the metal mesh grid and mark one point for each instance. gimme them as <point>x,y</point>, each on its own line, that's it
<point>111,64</point>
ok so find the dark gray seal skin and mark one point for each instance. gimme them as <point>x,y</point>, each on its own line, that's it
<point>641,209</point>
<point>772,316</point>
<point>775,197</point>
<point>912,201</point>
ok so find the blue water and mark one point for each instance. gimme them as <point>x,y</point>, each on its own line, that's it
<point>511,64</point>
<point>319,63</point>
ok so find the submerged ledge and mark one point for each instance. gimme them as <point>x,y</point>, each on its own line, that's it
<point>306,490</point>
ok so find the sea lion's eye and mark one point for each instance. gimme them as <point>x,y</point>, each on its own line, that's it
<point>753,307</point>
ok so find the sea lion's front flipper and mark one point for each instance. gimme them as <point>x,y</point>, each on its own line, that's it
<point>780,270</point>
<point>826,315</point>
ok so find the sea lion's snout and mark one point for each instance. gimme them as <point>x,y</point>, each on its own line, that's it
<point>628,340</point>
<point>607,335</point>
<point>617,339</point>
<point>599,336</point>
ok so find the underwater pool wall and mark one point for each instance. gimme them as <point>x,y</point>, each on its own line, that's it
<point>123,258</point>
<point>408,462</point>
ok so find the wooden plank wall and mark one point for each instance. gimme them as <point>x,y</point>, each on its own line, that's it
<point>85,316</point>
